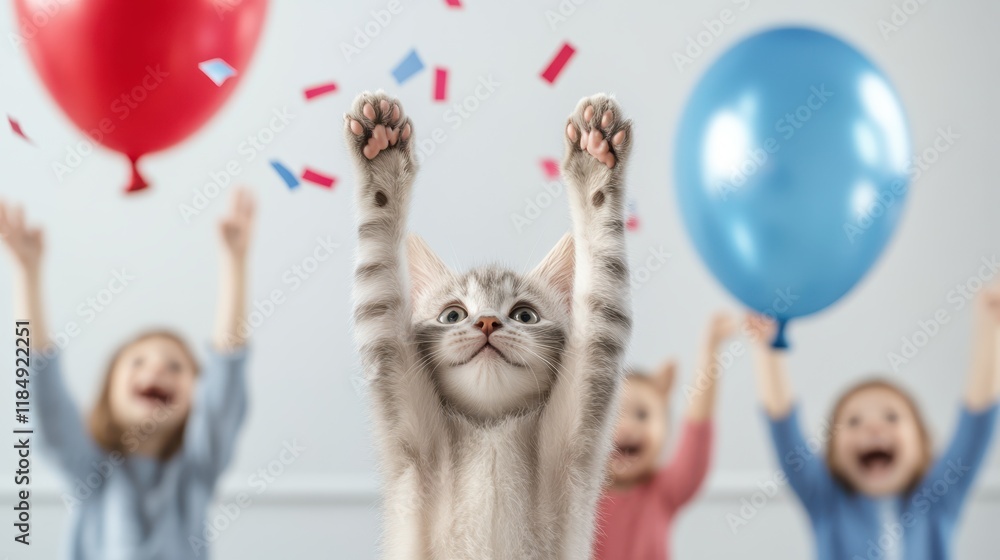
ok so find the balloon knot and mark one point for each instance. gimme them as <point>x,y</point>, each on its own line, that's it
<point>138,182</point>
<point>780,342</point>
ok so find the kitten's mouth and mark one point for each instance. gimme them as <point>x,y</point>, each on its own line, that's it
<point>488,350</point>
<point>876,461</point>
<point>155,396</point>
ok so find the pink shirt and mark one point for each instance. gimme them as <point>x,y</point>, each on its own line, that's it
<point>635,524</point>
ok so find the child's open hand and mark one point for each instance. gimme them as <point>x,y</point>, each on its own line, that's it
<point>24,243</point>
<point>237,224</point>
<point>760,329</point>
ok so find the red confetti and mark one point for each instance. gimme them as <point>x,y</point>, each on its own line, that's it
<point>319,90</point>
<point>632,224</point>
<point>440,84</point>
<point>558,63</point>
<point>551,168</point>
<point>453,3</point>
<point>16,127</point>
<point>318,178</point>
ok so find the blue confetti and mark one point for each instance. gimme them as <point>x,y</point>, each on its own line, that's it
<point>408,67</point>
<point>217,70</point>
<point>287,176</point>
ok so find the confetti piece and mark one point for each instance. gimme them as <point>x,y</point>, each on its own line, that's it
<point>453,3</point>
<point>321,89</point>
<point>318,178</point>
<point>287,176</point>
<point>440,84</point>
<point>558,63</point>
<point>217,70</point>
<point>16,127</point>
<point>551,168</point>
<point>632,223</point>
<point>408,67</point>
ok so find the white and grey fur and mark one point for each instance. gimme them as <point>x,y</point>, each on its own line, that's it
<point>499,455</point>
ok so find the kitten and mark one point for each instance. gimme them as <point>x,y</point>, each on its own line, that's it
<point>493,392</point>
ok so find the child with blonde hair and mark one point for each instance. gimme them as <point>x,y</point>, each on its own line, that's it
<point>636,513</point>
<point>879,492</point>
<point>144,467</point>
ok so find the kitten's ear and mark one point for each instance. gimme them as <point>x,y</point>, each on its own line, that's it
<point>556,269</point>
<point>664,377</point>
<point>425,268</point>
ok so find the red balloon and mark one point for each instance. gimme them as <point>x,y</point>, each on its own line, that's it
<point>126,71</point>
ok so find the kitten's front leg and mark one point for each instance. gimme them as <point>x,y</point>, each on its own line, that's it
<point>578,422</point>
<point>378,136</point>
<point>598,139</point>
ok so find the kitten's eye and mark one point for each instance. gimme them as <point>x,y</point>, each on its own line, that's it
<point>642,414</point>
<point>854,421</point>
<point>452,315</point>
<point>891,416</point>
<point>525,315</point>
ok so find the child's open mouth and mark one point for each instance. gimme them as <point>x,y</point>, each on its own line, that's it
<point>876,461</point>
<point>628,451</point>
<point>155,396</point>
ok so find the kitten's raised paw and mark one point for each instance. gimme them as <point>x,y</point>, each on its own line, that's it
<point>376,124</point>
<point>598,129</point>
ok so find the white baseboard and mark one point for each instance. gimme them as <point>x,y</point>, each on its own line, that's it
<point>344,490</point>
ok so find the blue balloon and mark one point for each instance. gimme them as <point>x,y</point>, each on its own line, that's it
<point>792,166</point>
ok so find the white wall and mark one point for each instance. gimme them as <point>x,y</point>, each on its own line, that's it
<point>942,62</point>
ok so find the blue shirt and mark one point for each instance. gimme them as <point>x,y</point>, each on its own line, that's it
<point>917,526</point>
<point>131,507</point>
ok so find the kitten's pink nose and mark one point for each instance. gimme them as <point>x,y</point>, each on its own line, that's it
<point>488,324</point>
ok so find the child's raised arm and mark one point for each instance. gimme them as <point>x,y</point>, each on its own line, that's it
<point>806,470</point>
<point>221,403</point>
<point>26,247</point>
<point>56,419</point>
<point>773,384</point>
<point>235,229</point>
<point>702,405</point>
<point>983,386</point>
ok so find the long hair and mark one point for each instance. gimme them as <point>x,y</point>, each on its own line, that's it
<point>108,433</point>
<point>911,403</point>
